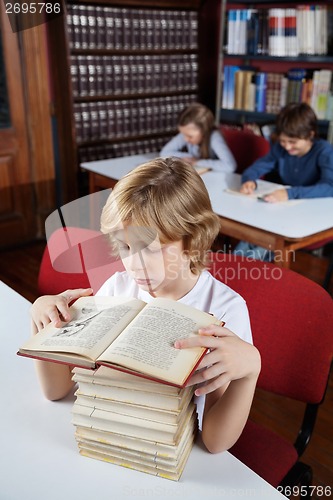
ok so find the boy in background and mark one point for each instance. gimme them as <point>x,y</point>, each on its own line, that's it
<point>298,158</point>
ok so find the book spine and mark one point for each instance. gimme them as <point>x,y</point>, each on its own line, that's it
<point>263,42</point>
<point>291,33</point>
<point>100,28</point>
<point>76,27</point>
<point>252,32</point>
<point>276,40</point>
<point>231,31</point>
<point>91,28</point>
<point>260,95</point>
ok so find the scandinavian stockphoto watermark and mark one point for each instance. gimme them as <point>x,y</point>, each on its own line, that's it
<point>25,14</point>
<point>142,244</point>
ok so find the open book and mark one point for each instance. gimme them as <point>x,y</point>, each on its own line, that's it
<point>201,169</point>
<point>125,334</point>
<point>263,188</point>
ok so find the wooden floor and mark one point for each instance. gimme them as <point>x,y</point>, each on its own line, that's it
<point>19,269</point>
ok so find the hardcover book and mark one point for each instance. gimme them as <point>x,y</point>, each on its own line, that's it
<point>125,334</point>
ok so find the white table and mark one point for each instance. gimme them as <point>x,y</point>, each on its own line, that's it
<point>281,227</point>
<point>39,457</point>
<point>104,174</point>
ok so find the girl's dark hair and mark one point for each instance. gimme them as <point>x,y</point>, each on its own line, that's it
<point>203,118</point>
<point>297,120</point>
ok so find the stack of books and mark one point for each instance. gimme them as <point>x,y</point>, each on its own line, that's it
<point>133,406</point>
<point>134,422</point>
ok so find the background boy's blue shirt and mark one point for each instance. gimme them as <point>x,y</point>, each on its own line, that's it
<point>311,176</point>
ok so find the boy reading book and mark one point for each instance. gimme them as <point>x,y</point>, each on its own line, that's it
<point>160,221</point>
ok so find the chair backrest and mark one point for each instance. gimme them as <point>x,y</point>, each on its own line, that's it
<point>245,146</point>
<point>76,258</point>
<point>292,324</point>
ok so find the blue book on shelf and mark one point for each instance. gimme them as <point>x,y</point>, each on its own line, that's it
<point>252,32</point>
<point>260,93</point>
<point>228,98</point>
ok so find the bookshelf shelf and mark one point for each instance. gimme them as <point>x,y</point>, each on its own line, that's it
<point>112,97</point>
<point>298,59</point>
<point>132,52</point>
<point>124,139</point>
<point>251,3</point>
<point>229,116</point>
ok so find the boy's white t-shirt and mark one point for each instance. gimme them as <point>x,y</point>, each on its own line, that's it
<point>208,294</point>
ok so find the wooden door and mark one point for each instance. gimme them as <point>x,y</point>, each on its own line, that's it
<point>16,200</point>
<point>28,169</point>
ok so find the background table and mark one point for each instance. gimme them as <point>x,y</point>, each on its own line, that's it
<point>281,227</point>
<point>40,459</point>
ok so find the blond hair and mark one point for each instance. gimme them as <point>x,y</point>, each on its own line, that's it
<point>168,196</point>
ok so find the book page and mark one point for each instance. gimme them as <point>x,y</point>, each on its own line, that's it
<point>147,344</point>
<point>263,188</point>
<point>95,323</point>
<point>201,169</point>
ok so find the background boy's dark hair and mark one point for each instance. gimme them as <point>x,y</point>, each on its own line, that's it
<point>296,120</point>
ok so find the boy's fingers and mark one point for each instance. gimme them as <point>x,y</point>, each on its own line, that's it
<point>59,315</point>
<point>216,331</point>
<point>70,295</point>
<point>209,342</point>
<point>208,337</point>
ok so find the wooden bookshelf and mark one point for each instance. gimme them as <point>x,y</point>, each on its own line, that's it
<point>122,73</point>
<point>266,62</point>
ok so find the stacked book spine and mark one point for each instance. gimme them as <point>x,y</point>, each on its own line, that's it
<point>280,32</point>
<point>118,149</point>
<point>133,422</point>
<point>114,75</point>
<point>247,88</point>
<point>128,118</point>
<point>100,27</point>
<point>126,65</point>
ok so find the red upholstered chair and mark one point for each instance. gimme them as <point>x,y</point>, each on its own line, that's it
<point>245,146</point>
<point>292,326</point>
<point>75,258</point>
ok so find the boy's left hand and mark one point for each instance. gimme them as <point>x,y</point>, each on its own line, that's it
<point>276,196</point>
<point>229,358</point>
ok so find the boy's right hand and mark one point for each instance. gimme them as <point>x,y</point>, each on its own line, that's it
<point>55,308</point>
<point>248,187</point>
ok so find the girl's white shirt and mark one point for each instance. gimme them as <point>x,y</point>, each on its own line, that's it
<point>208,294</point>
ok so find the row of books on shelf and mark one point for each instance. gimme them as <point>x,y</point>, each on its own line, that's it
<point>140,424</point>
<point>123,118</point>
<point>132,74</point>
<point>248,89</point>
<point>115,150</point>
<point>116,28</point>
<point>280,32</point>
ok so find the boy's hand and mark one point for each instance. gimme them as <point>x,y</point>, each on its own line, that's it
<point>277,195</point>
<point>248,187</point>
<point>229,358</point>
<point>55,308</point>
